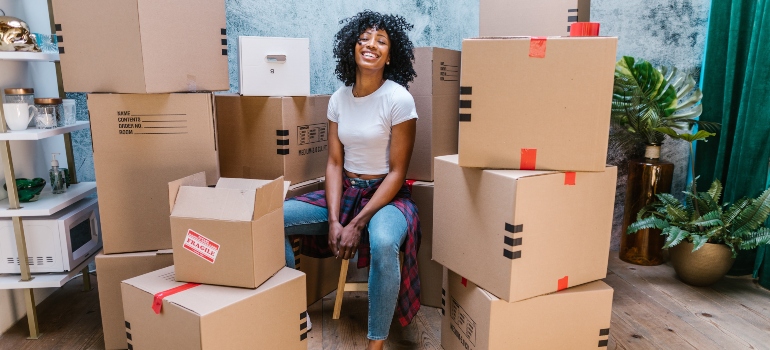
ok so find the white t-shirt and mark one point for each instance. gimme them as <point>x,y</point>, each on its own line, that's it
<point>364,124</point>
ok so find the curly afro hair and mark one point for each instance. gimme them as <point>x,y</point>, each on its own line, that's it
<point>399,70</point>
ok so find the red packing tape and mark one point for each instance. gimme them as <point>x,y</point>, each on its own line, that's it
<point>563,283</point>
<point>157,301</point>
<point>537,46</point>
<point>569,178</point>
<point>464,282</point>
<point>528,159</point>
<point>584,29</point>
<point>409,184</point>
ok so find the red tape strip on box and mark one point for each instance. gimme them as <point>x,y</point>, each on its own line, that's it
<point>569,178</point>
<point>528,159</point>
<point>157,301</point>
<point>563,283</point>
<point>409,184</point>
<point>537,46</point>
<point>464,281</point>
<point>584,29</point>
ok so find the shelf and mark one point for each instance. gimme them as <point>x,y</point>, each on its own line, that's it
<point>39,134</point>
<point>29,56</point>
<point>43,280</point>
<point>49,203</point>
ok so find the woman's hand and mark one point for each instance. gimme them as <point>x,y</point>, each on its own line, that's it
<point>350,237</point>
<point>335,234</point>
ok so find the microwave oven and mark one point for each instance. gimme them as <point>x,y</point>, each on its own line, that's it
<point>55,243</point>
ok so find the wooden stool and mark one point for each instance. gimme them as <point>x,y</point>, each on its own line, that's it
<point>344,286</point>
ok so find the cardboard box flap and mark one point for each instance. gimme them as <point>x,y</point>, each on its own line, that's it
<point>204,298</point>
<point>216,203</point>
<point>513,174</point>
<point>252,184</point>
<point>270,197</point>
<point>198,180</point>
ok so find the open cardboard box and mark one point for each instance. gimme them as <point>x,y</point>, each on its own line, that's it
<point>520,234</point>
<point>230,235</point>
<point>186,316</point>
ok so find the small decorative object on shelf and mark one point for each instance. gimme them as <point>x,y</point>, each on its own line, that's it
<point>47,113</point>
<point>20,95</point>
<point>15,35</point>
<point>47,42</point>
<point>646,103</point>
<point>58,176</point>
<point>29,189</point>
<point>69,112</point>
<point>18,115</point>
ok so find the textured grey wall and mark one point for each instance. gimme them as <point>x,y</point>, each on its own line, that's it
<point>667,32</point>
<point>664,32</point>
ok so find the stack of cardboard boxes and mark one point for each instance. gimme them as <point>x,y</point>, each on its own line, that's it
<point>150,70</point>
<point>523,213</point>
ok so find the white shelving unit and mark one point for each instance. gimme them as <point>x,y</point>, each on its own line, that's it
<point>44,280</point>
<point>48,203</point>
<point>29,56</point>
<point>32,134</point>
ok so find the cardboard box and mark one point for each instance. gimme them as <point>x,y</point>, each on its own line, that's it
<point>520,234</point>
<point>142,46</point>
<point>112,269</point>
<point>273,66</point>
<point>273,316</point>
<point>268,137</point>
<point>322,274</point>
<point>230,235</point>
<point>531,18</point>
<point>141,142</point>
<point>575,318</point>
<point>524,112</point>
<point>430,272</point>
<point>436,97</point>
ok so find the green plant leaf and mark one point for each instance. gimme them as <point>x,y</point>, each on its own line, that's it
<point>735,209</point>
<point>646,223</point>
<point>700,135</point>
<point>713,218</point>
<point>755,214</point>
<point>715,191</point>
<point>698,241</point>
<point>674,236</point>
<point>755,239</point>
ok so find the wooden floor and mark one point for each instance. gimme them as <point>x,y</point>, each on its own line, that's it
<point>651,310</point>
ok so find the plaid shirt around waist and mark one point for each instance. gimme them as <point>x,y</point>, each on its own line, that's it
<point>353,200</point>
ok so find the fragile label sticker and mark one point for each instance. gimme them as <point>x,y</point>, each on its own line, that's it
<point>201,246</point>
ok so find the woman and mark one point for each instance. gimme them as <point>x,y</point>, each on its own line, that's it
<point>366,207</point>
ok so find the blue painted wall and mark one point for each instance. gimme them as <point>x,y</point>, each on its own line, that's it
<point>670,32</point>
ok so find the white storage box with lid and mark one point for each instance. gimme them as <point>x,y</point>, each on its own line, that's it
<point>274,66</point>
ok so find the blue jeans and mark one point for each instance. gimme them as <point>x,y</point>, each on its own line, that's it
<point>387,231</point>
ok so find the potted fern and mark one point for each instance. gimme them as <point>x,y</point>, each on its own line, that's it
<point>704,235</point>
<point>647,103</point>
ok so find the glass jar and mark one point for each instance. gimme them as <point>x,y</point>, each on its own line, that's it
<point>21,95</point>
<point>48,113</point>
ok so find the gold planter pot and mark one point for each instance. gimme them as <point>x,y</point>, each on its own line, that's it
<point>703,267</point>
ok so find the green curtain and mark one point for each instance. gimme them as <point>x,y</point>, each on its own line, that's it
<point>736,89</point>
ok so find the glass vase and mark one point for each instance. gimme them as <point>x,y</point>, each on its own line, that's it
<point>646,178</point>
